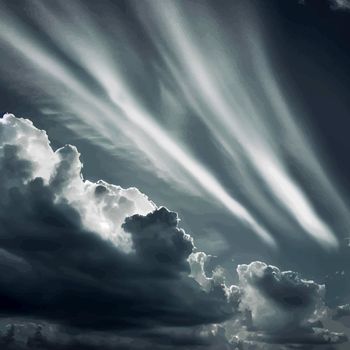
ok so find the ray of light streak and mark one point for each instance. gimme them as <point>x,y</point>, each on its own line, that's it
<point>127,108</point>
<point>258,150</point>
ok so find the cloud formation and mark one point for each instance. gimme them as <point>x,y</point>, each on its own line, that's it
<point>97,258</point>
<point>340,4</point>
<point>279,300</point>
<point>283,308</point>
<point>259,182</point>
<point>119,108</point>
<point>76,263</point>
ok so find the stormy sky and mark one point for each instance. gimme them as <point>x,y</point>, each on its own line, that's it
<point>174,174</point>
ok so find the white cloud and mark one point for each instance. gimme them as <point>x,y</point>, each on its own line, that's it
<point>43,222</point>
<point>103,207</point>
<point>279,301</point>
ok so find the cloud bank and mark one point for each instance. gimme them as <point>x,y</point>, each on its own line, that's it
<point>93,257</point>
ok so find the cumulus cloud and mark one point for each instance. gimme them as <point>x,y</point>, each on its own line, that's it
<point>282,307</point>
<point>97,258</point>
<point>279,300</point>
<point>89,255</point>
<point>26,155</point>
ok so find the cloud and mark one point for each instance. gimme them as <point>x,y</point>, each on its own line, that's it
<point>247,141</point>
<point>340,4</point>
<point>26,155</point>
<point>118,107</point>
<point>89,255</point>
<point>108,264</point>
<point>279,300</point>
<point>282,307</point>
<point>342,311</point>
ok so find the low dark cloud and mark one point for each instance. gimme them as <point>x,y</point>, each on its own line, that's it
<point>67,274</point>
<point>110,269</point>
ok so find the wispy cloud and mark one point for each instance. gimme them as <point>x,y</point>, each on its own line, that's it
<point>237,116</point>
<point>117,110</point>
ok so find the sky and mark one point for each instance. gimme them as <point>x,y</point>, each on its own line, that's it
<point>173,174</point>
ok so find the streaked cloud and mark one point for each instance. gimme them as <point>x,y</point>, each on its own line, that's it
<point>209,81</point>
<point>241,118</point>
<point>121,113</point>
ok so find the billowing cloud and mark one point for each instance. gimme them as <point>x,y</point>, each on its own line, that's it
<point>282,307</point>
<point>279,300</point>
<point>26,155</point>
<point>95,258</point>
<point>77,263</point>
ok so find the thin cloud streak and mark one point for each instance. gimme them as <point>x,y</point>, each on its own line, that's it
<point>244,123</point>
<point>119,116</point>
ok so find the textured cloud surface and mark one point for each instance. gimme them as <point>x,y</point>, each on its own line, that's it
<point>278,300</point>
<point>98,258</point>
<point>75,262</point>
<point>340,4</point>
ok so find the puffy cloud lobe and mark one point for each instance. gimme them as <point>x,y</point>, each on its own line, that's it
<point>216,283</point>
<point>26,155</point>
<point>159,242</point>
<point>281,307</point>
<point>77,263</point>
<point>279,300</point>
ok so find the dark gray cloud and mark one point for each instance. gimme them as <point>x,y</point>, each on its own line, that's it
<point>108,266</point>
<point>340,4</point>
<point>342,311</point>
<point>279,300</point>
<point>67,274</point>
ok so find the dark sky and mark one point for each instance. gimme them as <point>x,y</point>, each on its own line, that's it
<point>233,114</point>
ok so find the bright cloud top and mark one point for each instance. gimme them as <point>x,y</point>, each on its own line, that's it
<point>103,207</point>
